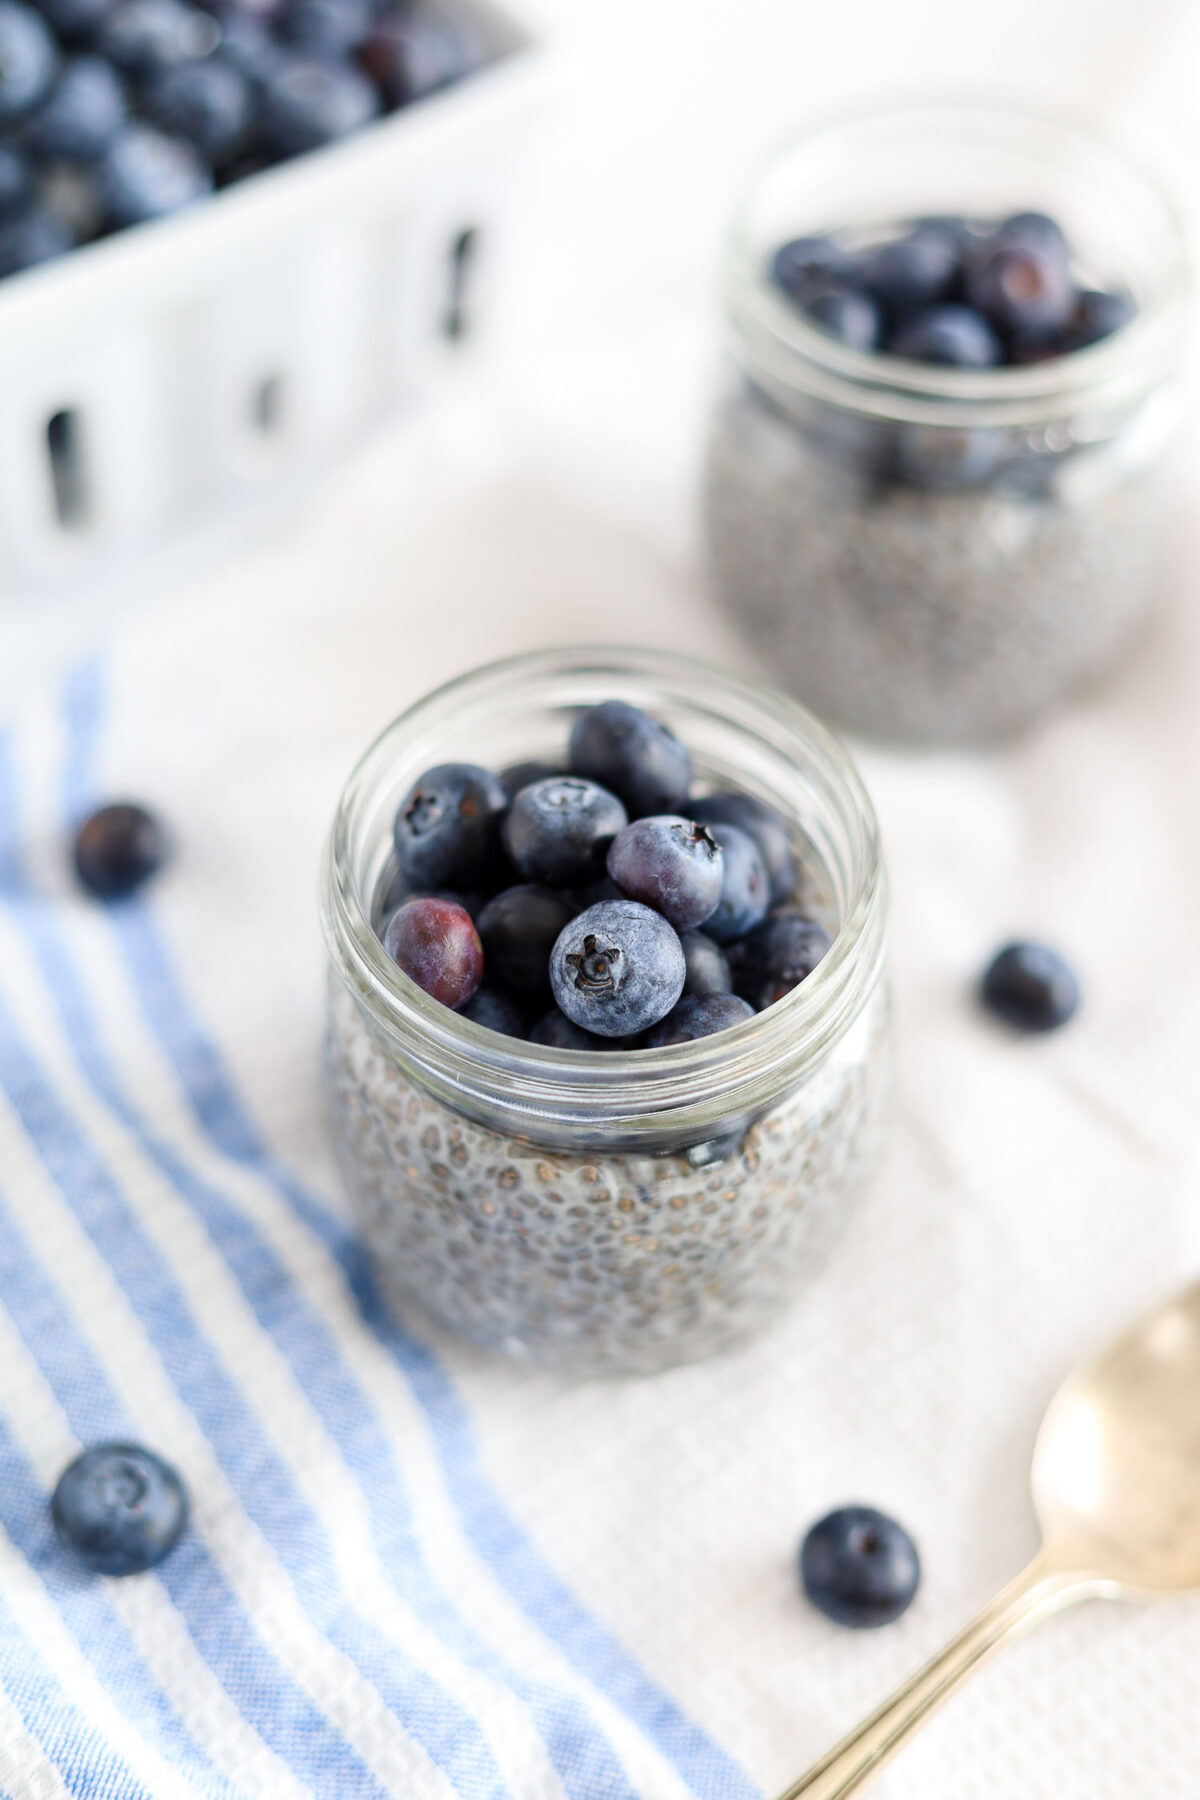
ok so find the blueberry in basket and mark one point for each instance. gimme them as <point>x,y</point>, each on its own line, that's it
<point>516,889</point>
<point>117,112</point>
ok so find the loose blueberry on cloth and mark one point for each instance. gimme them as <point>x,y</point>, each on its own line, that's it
<point>859,1567</point>
<point>119,1508</point>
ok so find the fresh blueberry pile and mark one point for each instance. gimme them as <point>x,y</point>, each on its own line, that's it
<point>588,906</point>
<point>113,112</point>
<point>963,293</point>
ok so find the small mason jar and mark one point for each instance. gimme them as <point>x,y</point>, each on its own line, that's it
<point>932,554</point>
<point>624,1210</point>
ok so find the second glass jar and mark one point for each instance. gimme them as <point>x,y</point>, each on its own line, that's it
<point>932,554</point>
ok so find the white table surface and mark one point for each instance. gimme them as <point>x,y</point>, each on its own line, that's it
<point>1035,1195</point>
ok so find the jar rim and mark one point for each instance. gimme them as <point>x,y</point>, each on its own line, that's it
<point>787,348</point>
<point>739,1070</point>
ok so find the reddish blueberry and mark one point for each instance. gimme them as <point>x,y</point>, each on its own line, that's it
<point>117,848</point>
<point>436,945</point>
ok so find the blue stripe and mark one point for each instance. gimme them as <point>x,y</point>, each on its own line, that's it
<point>264,1485</point>
<point>704,1765</point>
<point>83,1603</point>
<point>90,1768</point>
<point>579,1750</point>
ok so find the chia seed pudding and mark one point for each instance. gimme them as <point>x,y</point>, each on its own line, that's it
<point>934,521</point>
<point>628,1210</point>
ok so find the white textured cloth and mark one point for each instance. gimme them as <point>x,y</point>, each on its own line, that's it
<point>415,1572</point>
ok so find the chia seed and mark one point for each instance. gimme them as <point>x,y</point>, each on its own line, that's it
<point>924,615</point>
<point>605,1262</point>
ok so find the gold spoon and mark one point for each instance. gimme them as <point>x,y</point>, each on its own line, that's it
<point>1116,1485</point>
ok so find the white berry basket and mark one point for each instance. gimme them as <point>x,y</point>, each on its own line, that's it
<point>183,378</point>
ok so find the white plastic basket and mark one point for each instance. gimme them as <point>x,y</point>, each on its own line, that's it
<point>161,382</point>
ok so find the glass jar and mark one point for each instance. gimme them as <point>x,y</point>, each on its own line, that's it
<point>632,1209</point>
<point>936,554</point>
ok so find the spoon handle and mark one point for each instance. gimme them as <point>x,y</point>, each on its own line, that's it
<point>1036,1593</point>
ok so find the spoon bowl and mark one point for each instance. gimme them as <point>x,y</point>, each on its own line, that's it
<point>1116,1484</point>
<point>1116,1470</point>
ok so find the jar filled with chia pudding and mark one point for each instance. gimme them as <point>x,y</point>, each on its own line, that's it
<point>939,550</point>
<point>624,1211</point>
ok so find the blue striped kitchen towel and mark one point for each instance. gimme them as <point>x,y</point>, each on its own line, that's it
<point>357,1610</point>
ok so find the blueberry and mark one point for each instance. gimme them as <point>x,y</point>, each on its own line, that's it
<point>797,264</point>
<point>914,271</point>
<point>705,964</point>
<point>596,891</point>
<point>554,1031</point>
<point>859,1567</point>
<point>558,831</point>
<point>617,968</point>
<point>745,891</point>
<point>147,174</point>
<point>761,822</point>
<point>28,60</point>
<point>1097,315</point>
<point>524,774</point>
<point>945,459</point>
<point>16,181</point>
<point>447,826</point>
<point>1021,280</point>
<point>327,29</point>
<point>306,103</point>
<point>519,929</point>
<point>777,956</point>
<point>845,313</point>
<point>31,237</point>
<point>247,45</point>
<point>950,335</point>
<point>698,1016</point>
<point>495,1012</point>
<point>640,761</point>
<point>209,103</point>
<point>119,1509</point>
<point>75,18</point>
<point>117,848</point>
<point>1031,987</point>
<point>438,947</point>
<point>143,37</point>
<point>1037,228</point>
<point>70,193</point>
<point>82,114</point>
<point>671,864</point>
<point>400,889</point>
<point>416,50</point>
